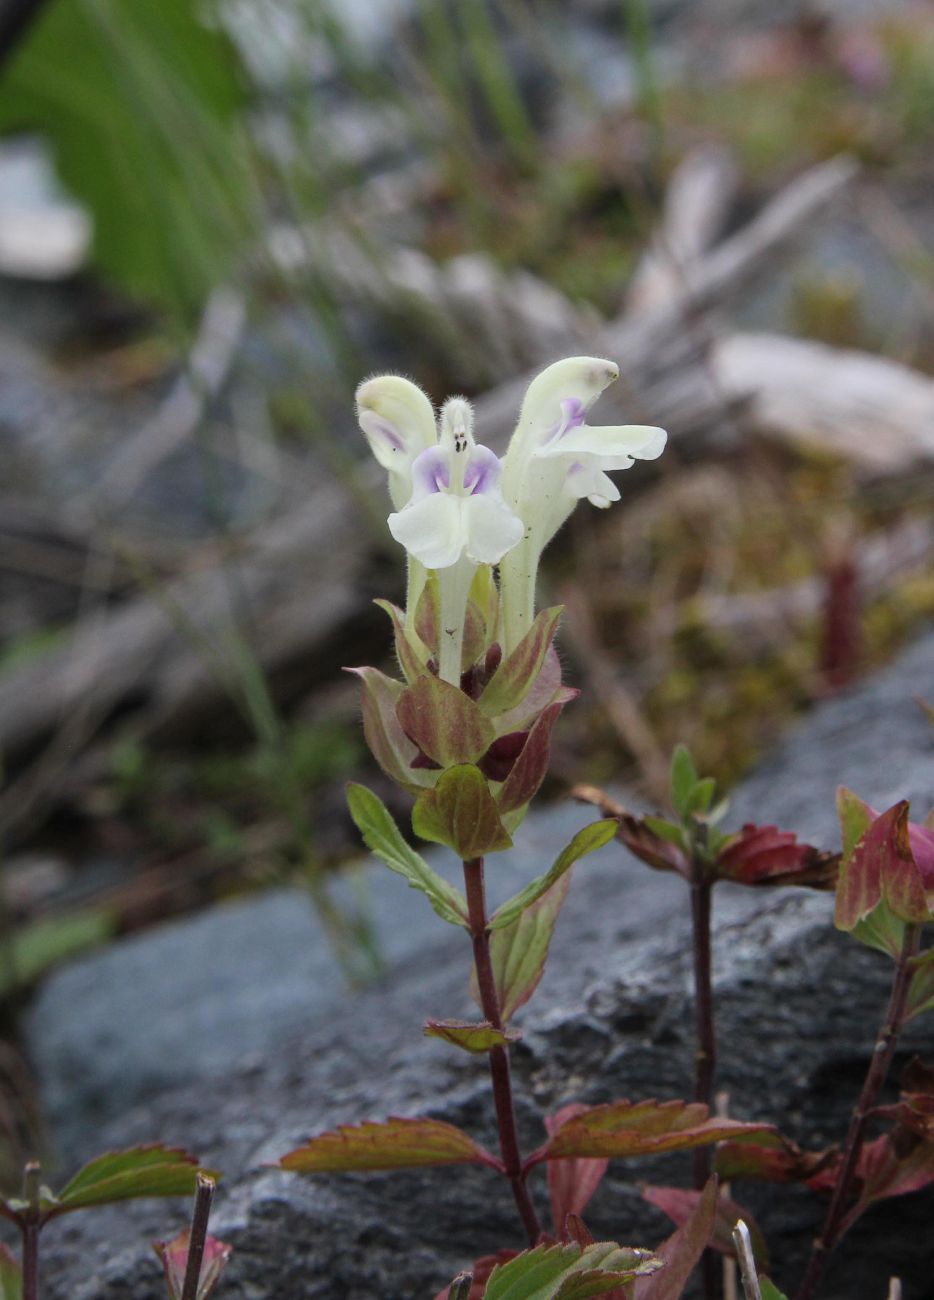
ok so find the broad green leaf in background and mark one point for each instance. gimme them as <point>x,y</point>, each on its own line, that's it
<point>683,780</point>
<point>140,104</point>
<point>381,834</point>
<point>568,1272</point>
<point>395,1144</point>
<point>585,841</point>
<point>124,1175</point>
<point>40,944</point>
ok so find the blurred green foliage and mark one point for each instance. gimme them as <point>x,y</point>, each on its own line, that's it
<point>141,103</point>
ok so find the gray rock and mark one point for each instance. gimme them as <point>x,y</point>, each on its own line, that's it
<point>797,1007</point>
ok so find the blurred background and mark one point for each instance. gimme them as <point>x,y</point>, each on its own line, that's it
<point>218,216</point>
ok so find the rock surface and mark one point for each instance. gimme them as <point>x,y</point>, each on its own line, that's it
<point>797,1010</point>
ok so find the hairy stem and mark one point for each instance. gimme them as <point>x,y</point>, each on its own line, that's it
<point>876,1075</point>
<point>197,1236</point>
<point>499,1056</point>
<point>705,1037</point>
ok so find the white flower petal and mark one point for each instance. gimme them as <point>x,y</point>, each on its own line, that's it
<point>576,378</point>
<point>586,479</point>
<point>492,528</point>
<point>642,441</point>
<point>397,419</point>
<point>431,529</point>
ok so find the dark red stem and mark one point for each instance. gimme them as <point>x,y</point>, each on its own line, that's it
<point>876,1075</point>
<point>499,1056</point>
<point>30,1230</point>
<point>705,1054</point>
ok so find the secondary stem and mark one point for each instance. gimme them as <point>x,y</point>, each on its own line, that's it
<point>197,1236</point>
<point>30,1230</point>
<point>499,1057</point>
<point>706,1044</point>
<point>876,1075</point>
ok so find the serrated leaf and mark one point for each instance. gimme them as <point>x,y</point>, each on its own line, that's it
<point>587,840</point>
<point>681,1251</point>
<point>571,1183</point>
<point>383,837</point>
<point>568,1272</point>
<point>395,1144</point>
<point>124,1175</point>
<point>461,813</point>
<point>443,722</point>
<point>515,675</point>
<point>470,1037</point>
<point>683,780</point>
<point>682,1204</point>
<point>623,1128</point>
<point>11,1275</point>
<point>518,952</point>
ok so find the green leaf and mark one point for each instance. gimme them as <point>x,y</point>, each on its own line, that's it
<point>383,837</point>
<point>881,867</point>
<point>770,1291</point>
<point>702,795</point>
<point>683,781</point>
<point>141,104</point>
<point>44,943</point>
<point>855,817</point>
<point>921,989</point>
<point>513,679</point>
<point>410,651</point>
<point>624,1128</point>
<point>470,1037</point>
<point>519,951</point>
<point>396,1144</point>
<point>568,1272</point>
<point>585,841</point>
<point>123,1175</point>
<point>11,1275</point>
<point>461,813</point>
<point>666,830</point>
<point>882,930</point>
<point>443,722</point>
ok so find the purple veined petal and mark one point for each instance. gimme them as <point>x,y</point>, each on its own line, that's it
<point>384,438</point>
<point>575,378</point>
<point>573,415</point>
<point>587,479</point>
<point>483,471</point>
<point>431,472</point>
<point>491,527</point>
<point>642,441</point>
<point>431,529</point>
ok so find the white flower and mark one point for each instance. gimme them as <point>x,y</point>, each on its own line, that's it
<point>554,460</point>
<point>456,508</point>
<point>398,422</point>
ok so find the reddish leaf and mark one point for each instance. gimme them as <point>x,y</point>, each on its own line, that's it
<point>681,1205</point>
<point>776,1160</point>
<point>528,770</point>
<point>885,1171</point>
<point>388,743</point>
<point>881,868</point>
<point>634,833</point>
<point>470,1037</point>
<point>461,813</point>
<point>624,1128</point>
<point>395,1144</point>
<point>516,674</point>
<point>571,1182</point>
<point>428,614</point>
<point>681,1251</point>
<point>445,724</point>
<point>544,691</point>
<point>174,1256</point>
<point>411,652</point>
<point>764,855</point>
<point>519,951</point>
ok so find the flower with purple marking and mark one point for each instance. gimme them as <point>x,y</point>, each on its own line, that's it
<point>456,508</point>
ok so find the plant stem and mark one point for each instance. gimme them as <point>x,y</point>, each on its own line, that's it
<point>705,1056</point>
<point>879,1065</point>
<point>197,1236</point>
<point>30,1224</point>
<point>499,1056</point>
